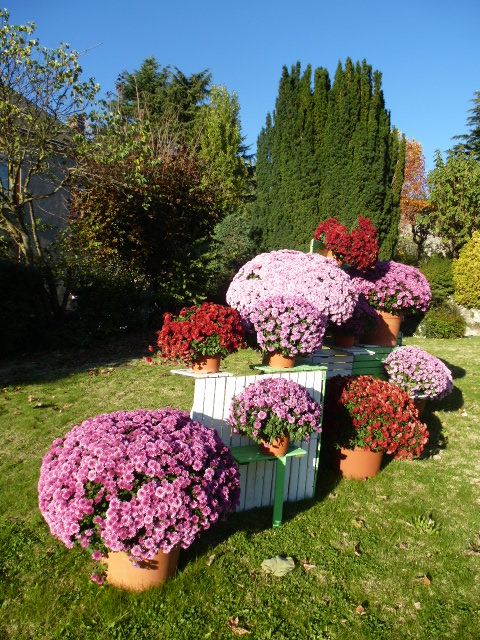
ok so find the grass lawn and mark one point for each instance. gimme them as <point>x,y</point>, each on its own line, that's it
<point>395,557</point>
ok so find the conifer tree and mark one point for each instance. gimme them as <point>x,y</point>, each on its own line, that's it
<point>328,151</point>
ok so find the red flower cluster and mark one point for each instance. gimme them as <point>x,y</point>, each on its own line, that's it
<point>361,411</point>
<point>208,330</point>
<point>359,249</point>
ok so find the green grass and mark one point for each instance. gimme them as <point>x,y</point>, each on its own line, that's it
<point>395,557</point>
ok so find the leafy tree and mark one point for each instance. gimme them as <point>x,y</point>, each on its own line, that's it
<point>455,198</point>
<point>465,273</point>
<point>328,151</point>
<point>414,202</point>
<point>221,146</point>
<point>140,205</point>
<point>41,104</point>
<point>471,140</point>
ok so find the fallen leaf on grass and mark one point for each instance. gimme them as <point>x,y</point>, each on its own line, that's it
<point>360,610</point>
<point>425,579</point>
<point>417,605</point>
<point>357,523</point>
<point>332,496</point>
<point>38,405</point>
<point>234,628</point>
<point>307,567</point>
<point>67,406</point>
<point>357,551</point>
<point>210,560</point>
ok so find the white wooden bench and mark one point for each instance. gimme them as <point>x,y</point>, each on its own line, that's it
<point>211,406</point>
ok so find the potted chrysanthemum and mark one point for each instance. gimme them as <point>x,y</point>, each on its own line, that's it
<point>274,411</point>
<point>293,273</point>
<point>200,336</point>
<point>363,321</point>
<point>358,249</point>
<point>287,326</point>
<point>135,487</point>
<point>366,417</point>
<point>420,374</point>
<point>392,289</point>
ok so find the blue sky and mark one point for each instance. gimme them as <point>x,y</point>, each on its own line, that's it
<point>427,50</point>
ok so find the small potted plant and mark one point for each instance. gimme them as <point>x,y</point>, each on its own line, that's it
<point>358,249</point>
<point>294,273</point>
<point>366,417</point>
<point>200,336</point>
<point>135,487</point>
<point>363,321</point>
<point>420,374</point>
<point>287,326</point>
<point>274,411</point>
<point>392,289</point>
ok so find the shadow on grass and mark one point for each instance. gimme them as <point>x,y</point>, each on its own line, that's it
<point>457,372</point>
<point>54,364</point>
<point>258,520</point>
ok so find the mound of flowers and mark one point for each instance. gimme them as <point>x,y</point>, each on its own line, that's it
<point>207,330</point>
<point>417,372</point>
<point>288,325</point>
<point>358,249</point>
<point>138,482</point>
<point>364,319</point>
<point>274,407</point>
<point>365,412</point>
<point>393,287</point>
<point>310,276</point>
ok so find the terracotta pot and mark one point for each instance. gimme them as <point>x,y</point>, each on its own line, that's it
<point>277,361</point>
<point>121,572</point>
<point>343,339</point>
<point>360,464</point>
<point>277,448</point>
<point>207,365</point>
<point>420,402</point>
<point>387,331</point>
<point>328,253</point>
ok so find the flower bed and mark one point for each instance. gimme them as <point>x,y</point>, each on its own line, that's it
<point>417,372</point>
<point>393,287</point>
<point>288,325</point>
<point>317,280</point>
<point>208,330</point>
<point>273,407</point>
<point>137,482</point>
<point>361,411</point>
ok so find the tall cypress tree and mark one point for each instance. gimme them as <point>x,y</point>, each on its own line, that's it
<point>330,151</point>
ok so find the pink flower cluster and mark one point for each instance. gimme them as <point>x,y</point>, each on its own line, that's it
<point>393,287</point>
<point>138,482</point>
<point>288,325</point>
<point>316,279</point>
<point>274,407</point>
<point>364,319</point>
<point>417,372</point>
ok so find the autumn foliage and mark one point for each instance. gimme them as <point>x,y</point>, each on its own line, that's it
<point>414,196</point>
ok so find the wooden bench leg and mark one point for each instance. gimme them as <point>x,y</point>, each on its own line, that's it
<point>279,488</point>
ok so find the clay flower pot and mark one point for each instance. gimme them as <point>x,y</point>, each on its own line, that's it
<point>277,448</point>
<point>420,402</point>
<point>121,572</point>
<point>278,361</point>
<point>359,464</point>
<point>386,334</point>
<point>206,364</point>
<point>343,339</point>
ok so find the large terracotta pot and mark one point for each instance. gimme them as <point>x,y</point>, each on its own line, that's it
<point>277,448</point>
<point>277,361</point>
<point>121,572</point>
<point>207,365</point>
<point>387,331</point>
<point>360,464</point>
<point>343,339</point>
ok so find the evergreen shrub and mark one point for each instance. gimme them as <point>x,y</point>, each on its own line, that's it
<point>438,271</point>
<point>466,274</point>
<point>443,321</point>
